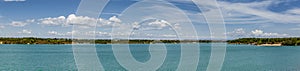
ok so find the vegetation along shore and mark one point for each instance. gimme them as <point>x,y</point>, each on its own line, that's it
<point>252,41</point>
<point>265,41</point>
<point>32,40</point>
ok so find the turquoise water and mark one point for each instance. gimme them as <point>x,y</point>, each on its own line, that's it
<point>60,58</point>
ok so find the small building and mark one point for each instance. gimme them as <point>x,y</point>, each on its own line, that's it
<point>1,42</point>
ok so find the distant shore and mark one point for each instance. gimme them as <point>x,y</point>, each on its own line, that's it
<point>251,41</point>
<point>293,41</point>
<point>33,40</point>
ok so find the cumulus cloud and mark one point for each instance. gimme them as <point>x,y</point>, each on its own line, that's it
<point>89,33</point>
<point>154,24</point>
<point>272,35</point>
<point>241,33</point>
<point>86,22</point>
<point>56,33</point>
<point>70,33</point>
<point>159,23</point>
<point>53,21</point>
<point>97,33</point>
<point>83,21</point>
<point>71,19</point>
<point>115,19</point>
<point>18,24</point>
<point>21,23</point>
<point>76,33</point>
<point>257,32</point>
<point>260,33</point>
<point>136,25</point>
<point>25,32</point>
<point>52,32</point>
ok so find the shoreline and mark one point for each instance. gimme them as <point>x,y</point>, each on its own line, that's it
<point>67,41</point>
<point>33,40</point>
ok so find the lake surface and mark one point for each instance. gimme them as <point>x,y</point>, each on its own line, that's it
<point>60,57</point>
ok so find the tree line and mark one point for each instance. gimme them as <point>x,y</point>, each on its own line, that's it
<point>33,40</point>
<point>258,41</point>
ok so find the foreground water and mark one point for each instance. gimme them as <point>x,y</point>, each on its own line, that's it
<point>60,58</point>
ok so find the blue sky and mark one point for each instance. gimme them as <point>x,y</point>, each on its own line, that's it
<point>243,18</point>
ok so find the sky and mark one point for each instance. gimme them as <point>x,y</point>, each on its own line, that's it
<point>151,19</point>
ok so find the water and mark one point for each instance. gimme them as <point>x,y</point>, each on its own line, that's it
<point>60,58</point>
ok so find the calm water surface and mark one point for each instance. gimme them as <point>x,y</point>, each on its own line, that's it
<point>60,57</point>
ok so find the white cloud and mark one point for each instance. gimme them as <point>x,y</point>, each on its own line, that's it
<point>259,10</point>
<point>136,25</point>
<point>90,33</point>
<point>257,32</point>
<point>272,35</point>
<point>1,26</point>
<point>71,33</point>
<point>294,11</point>
<point>104,23</point>
<point>253,13</point>
<point>22,23</point>
<point>86,22</point>
<point>53,21</point>
<point>103,33</point>
<point>241,33</point>
<point>115,19</point>
<point>98,33</point>
<point>55,33</point>
<point>14,0</point>
<point>25,32</point>
<point>245,13</point>
<point>154,16</point>
<point>52,32</point>
<point>155,24</point>
<point>168,35</point>
<point>82,21</point>
<point>18,24</point>
<point>30,21</point>
<point>260,33</point>
<point>159,24</point>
